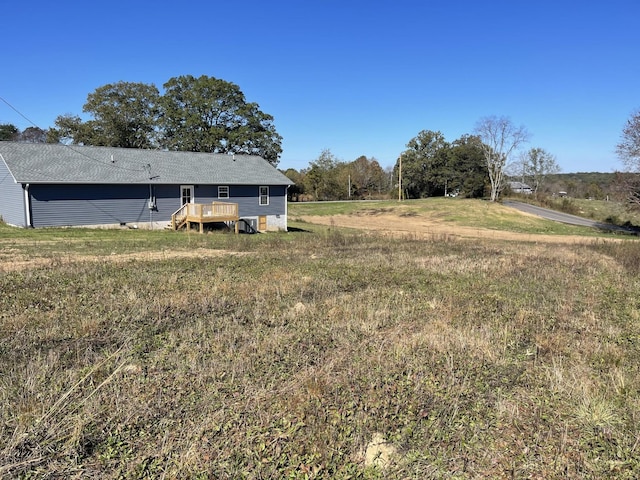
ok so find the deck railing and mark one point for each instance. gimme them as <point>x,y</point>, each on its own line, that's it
<point>220,209</point>
<point>179,216</point>
<point>204,213</point>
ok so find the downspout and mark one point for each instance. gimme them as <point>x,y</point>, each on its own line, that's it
<point>27,206</point>
<point>286,207</point>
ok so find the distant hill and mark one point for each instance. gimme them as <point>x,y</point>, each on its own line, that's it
<point>595,185</point>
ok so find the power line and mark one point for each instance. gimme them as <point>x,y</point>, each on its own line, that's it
<point>18,112</point>
<point>143,169</point>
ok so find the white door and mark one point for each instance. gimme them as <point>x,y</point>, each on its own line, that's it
<point>186,193</point>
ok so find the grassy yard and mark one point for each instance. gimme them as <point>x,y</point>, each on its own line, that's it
<point>454,211</point>
<point>132,354</point>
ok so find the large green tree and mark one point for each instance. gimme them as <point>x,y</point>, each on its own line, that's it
<point>294,191</point>
<point>424,165</point>
<point>431,166</point>
<point>321,179</point>
<point>124,115</point>
<point>8,131</point>
<point>468,174</point>
<point>367,177</point>
<point>202,114</point>
<point>206,114</point>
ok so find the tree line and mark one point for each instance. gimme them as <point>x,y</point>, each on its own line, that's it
<point>207,114</point>
<point>431,166</point>
<point>328,178</point>
<point>211,115</point>
<point>473,166</point>
<point>203,114</point>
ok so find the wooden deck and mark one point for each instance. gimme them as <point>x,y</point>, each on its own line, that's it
<point>205,213</point>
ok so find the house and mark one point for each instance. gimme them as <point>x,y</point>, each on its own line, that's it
<point>43,185</point>
<point>520,187</point>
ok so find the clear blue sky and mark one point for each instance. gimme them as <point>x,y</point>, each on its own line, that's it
<point>356,77</point>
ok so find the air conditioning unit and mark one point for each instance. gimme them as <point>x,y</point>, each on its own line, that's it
<point>248,225</point>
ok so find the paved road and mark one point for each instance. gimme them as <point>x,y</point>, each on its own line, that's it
<point>563,217</point>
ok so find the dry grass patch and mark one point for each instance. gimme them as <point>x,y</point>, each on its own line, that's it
<point>12,261</point>
<point>463,358</point>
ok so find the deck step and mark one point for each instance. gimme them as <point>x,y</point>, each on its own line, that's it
<point>181,223</point>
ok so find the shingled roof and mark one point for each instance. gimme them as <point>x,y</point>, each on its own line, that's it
<point>56,163</point>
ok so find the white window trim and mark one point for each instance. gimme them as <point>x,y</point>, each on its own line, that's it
<point>193,192</point>
<point>219,191</point>
<point>260,195</point>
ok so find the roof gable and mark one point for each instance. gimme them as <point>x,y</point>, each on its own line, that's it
<point>57,163</point>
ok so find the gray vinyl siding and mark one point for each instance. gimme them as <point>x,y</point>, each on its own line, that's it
<point>247,198</point>
<point>167,201</point>
<point>11,198</point>
<point>67,205</point>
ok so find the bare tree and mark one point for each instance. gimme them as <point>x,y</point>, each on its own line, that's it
<point>626,187</point>
<point>629,152</point>
<point>535,164</point>
<point>33,135</point>
<point>629,147</point>
<point>500,137</point>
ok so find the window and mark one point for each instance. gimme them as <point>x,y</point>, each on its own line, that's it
<point>223,192</point>
<point>264,195</point>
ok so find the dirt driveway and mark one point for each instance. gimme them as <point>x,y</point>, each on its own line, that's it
<point>423,227</point>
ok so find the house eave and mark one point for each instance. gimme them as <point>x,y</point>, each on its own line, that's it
<point>189,181</point>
